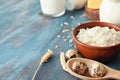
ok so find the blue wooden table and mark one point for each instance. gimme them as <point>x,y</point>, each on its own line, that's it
<point>26,34</point>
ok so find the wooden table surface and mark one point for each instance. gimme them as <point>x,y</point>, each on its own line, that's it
<point>26,34</point>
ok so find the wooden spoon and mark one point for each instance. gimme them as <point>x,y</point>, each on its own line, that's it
<point>110,73</point>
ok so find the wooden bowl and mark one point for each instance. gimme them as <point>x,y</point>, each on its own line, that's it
<point>102,54</point>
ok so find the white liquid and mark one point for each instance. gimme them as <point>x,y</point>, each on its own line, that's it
<point>53,8</point>
<point>110,11</point>
<point>75,4</point>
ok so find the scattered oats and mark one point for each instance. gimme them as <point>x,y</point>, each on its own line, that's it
<point>58,36</point>
<point>72,17</point>
<point>66,23</point>
<point>78,23</point>
<point>74,46</point>
<point>56,46</point>
<point>72,29</point>
<point>71,45</point>
<point>64,37</point>
<point>63,30</point>
<point>61,24</point>
<point>71,40</point>
<point>83,15</point>
<point>67,30</point>
<point>68,37</point>
<point>65,40</point>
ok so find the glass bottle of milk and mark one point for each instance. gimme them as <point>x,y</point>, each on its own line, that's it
<point>110,11</point>
<point>75,4</point>
<point>54,8</point>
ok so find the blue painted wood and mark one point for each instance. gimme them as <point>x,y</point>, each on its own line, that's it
<point>26,34</point>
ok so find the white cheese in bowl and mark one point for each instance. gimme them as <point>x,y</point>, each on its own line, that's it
<point>99,36</point>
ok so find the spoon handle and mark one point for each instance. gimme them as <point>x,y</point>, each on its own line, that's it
<point>114,74</point>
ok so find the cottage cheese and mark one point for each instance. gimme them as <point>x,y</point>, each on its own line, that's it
<point>99,36</point>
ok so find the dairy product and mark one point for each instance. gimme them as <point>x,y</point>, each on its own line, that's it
<point>53,8</point>
<point>99,36</point>
<point>75,4</point>
<point>110,11</point>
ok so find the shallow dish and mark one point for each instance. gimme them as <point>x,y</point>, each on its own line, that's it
<point>102,54</point>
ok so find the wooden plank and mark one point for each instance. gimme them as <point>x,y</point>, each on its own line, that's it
<point>26,34</point>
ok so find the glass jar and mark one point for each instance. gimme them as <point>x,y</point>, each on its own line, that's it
<point>110,11</point>
<point>54,8</point>
<point>75,4</point>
